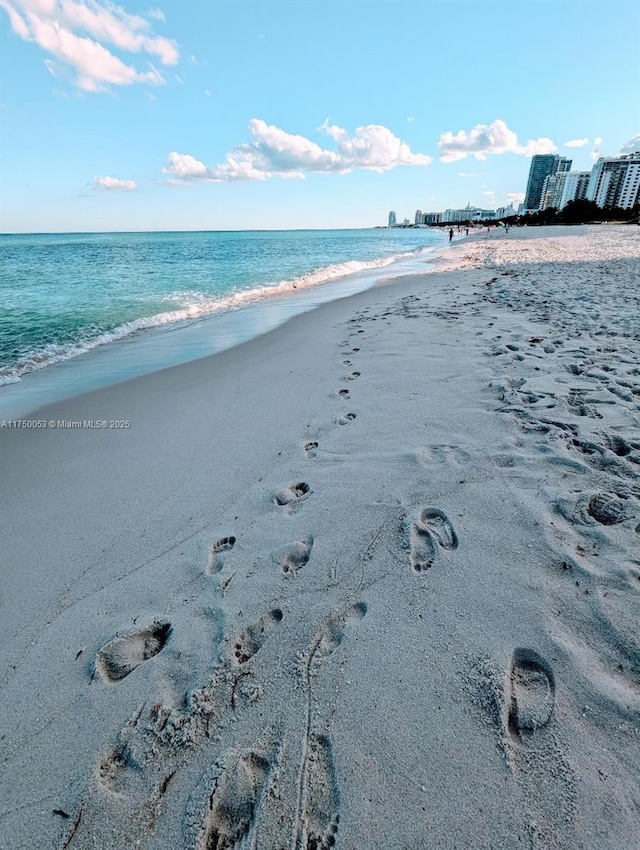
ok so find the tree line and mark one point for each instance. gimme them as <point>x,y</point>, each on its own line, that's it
<point>578,212</point>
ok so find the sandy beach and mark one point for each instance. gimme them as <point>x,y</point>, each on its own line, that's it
<point>370,580</point>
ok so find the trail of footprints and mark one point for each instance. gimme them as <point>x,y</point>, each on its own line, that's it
<point>229,815</point>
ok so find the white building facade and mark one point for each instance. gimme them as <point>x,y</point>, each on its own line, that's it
<point>615,181</point>
<point>575,187</point>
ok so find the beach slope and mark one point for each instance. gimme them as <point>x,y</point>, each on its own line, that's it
<point>369,580</point>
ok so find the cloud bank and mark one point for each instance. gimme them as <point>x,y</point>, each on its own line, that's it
<point>576,143</point>
<point>632,145</point>
<point>111,183</point>
<point>75,32</point>
<point>488,139</point>
<point>272,151</point>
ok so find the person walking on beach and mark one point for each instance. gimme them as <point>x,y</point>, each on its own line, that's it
<point>450,234</point>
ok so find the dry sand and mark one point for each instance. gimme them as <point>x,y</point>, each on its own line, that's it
<point>368,581</point>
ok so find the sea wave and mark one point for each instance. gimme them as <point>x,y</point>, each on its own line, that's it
<point>196,305</point>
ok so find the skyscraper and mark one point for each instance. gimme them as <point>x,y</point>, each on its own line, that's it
<point>615,181</point>
<point>575,187</point>
<point>542,165</point>
<point>392,219</point>
<point>552,190</point>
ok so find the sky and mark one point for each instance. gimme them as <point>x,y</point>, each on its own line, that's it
<point>276,114</point>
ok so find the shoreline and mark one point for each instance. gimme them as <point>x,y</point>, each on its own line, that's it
<point>153,347</point>
<point>372,573</point>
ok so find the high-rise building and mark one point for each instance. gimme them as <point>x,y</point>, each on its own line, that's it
<point>505,212</point>
<point>552,190</point>
<point>392,219</point>
<point>615,181</point>
<point>575,187</point>
<point>542,165</point>
<point>419,219</point>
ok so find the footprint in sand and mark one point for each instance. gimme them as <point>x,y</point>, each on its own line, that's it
<point>215,561</point>
<point>292,494</point>
<point>234,800</point>
<point>310,449</point>
<point>352,376</point>
<point>344,394</point>
<point>445,454</point>
<point>579,406</point>
<point>253,637</point>
<point>123,654</point>
<point>329,637</point>
<point>322,803</point>
<point>531,688</point>
<point>439,524</point>
<point>295,556</point>
<point>618,445</point>
<point>423,548</point>
<point>608,509</point>
<point>344,420</point>
<point>118,770</point>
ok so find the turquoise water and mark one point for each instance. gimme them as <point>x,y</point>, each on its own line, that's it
<point>62,295</point>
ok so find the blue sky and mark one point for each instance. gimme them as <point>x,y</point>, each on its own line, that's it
<point>225,115</point>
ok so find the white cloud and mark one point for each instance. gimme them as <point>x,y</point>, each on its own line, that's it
<point>596,153</point>
<point>576,143</point>
<point>485,139</point>
<point>489,192</point>
<point>75,32</point>
<point>272,151</point>
<point>185,166</point>
<point>467,174</point>
<point>632,145</point>
<point>516,197</point>
<point>156,14</point>
<point>111,183</point>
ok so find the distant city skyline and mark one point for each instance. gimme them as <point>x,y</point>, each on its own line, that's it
<point>189,115</point>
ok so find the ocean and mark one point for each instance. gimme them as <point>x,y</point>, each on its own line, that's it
<point>64,295</point>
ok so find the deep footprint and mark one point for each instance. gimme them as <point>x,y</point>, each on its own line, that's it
<point>423,548</point>
<point>532,689</point>
<point>215,561</point>
<point>348,417</point>
<point>233,802</point>
<point>310,449</point>
<point>322,802</point>
<point>253,637</point>
<point>439,524</point>
<point>296,556</point>
<point>293,493</point>
<point>123,654</point>
<point>607,509</point>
